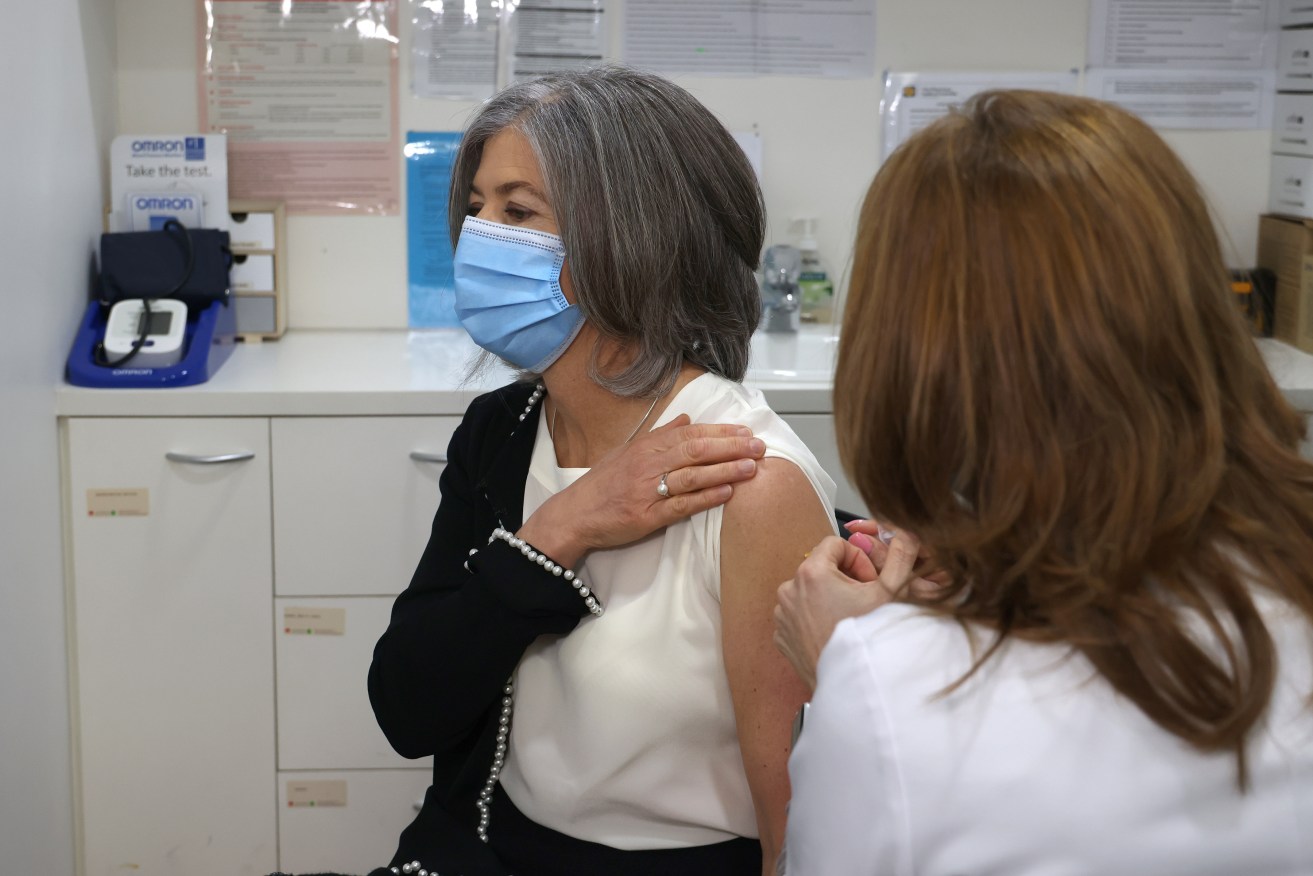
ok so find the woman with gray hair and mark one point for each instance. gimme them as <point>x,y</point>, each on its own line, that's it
<point>585,648</point>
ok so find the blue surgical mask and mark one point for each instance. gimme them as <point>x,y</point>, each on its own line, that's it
<point>508,293</point>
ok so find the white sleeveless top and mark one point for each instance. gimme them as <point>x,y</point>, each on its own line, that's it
<point>623,731</point>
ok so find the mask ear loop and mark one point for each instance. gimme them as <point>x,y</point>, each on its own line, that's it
<point>557,266</point>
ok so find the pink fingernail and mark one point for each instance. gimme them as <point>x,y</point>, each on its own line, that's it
<point>862,541</point>
<point>853,524</point>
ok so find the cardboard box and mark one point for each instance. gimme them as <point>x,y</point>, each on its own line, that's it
<point>1285,246</point>
<point>1294,13</point>
<point>1292,125</point>
<point>1290,190</point>
<point>1295,60</point>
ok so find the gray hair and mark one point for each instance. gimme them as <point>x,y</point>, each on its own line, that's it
<point>659,210</point>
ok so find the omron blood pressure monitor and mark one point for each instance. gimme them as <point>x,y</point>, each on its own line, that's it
<point>162,329</point>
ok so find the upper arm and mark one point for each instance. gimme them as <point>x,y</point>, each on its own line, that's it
<point>772,521</point>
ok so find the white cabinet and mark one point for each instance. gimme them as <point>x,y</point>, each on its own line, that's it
<point>353,501</point>
<point>198,704</point>
<point>356,830</point>
<point>173,691</point>
<point>224,615</point>
<point>324,647</point>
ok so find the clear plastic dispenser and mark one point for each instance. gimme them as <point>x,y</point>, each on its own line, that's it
<point>781,297</point>
<point>814,281</point>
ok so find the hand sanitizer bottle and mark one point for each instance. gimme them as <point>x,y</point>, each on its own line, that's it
<point>814,281</point>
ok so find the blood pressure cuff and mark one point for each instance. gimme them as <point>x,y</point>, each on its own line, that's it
<point>189,264</point>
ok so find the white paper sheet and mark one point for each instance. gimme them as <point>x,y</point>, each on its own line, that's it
<point>307,94</point>
<point>453,49</point>
<point>1183,34</point>
<point>831,38</point>
<point>1194,99</point>
<point>166,165</point>
<point>913,100</point>
<point>547,36</point>
<point>750,143</point>
<point>1295,13</point>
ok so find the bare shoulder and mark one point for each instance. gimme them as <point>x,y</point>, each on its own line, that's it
<point>770,523</point>
<point>778,493</point>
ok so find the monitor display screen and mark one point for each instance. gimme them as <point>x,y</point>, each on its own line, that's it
<point>159,323</point>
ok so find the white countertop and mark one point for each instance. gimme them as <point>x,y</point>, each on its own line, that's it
<point>390,373</point>
<point>383,373</point>
<point>1292,369</point>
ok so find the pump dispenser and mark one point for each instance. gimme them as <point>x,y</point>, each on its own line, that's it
<point>814,280</point>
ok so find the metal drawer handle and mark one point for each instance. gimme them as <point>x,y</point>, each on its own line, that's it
<point>421,456</point>
<point>217,459</point>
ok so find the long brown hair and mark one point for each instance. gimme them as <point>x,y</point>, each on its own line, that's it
<point>1042,374</point>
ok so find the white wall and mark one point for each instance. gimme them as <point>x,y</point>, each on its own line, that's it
<point>821,137</point>
<point>57,106</point>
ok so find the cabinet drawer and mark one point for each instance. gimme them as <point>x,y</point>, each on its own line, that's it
<point>323,649</point>
<point>254,230</point>
<point>358,828</point>
<point>170,589</point>
<point>352,503</point>
<point>252,273</point>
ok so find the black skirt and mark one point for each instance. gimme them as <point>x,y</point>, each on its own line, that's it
<point>520,846</point>
<point>529,849</point>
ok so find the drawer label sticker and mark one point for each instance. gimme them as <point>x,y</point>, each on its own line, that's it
<point>302,621</point>
<point>118,502</point>
<point>319,793</point>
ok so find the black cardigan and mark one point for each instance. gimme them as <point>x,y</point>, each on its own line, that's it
<point>457,634</point>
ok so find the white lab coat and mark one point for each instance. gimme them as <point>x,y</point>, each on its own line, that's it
<point>1034,766</point>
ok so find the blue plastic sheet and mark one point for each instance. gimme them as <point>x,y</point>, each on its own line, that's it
<point>429,159</point>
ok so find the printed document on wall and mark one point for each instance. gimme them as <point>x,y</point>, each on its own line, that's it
<point>750,143</point>
<point>548,36</point>
<point>1203,64</point>
<point>827,38</point>
<point>1206,100</point>
<point>913,100</point>
<point>453,49</point>
<point>1183,34</point>
<point>306,91</point>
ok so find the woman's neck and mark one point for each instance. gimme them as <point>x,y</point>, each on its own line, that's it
<point>587,421</point>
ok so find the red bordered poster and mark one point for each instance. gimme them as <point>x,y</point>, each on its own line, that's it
<point>306,91</point>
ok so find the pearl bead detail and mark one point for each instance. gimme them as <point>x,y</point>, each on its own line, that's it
<point>529,553</point>
<point>533,400</point>
<point>498,760</point>
<point>501,746</point>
